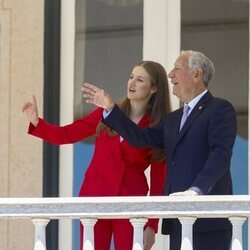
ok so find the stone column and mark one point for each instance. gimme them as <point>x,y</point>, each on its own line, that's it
<point>162,34</point>
<point>66,112</point>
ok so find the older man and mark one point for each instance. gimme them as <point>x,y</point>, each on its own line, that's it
<point>198,141</point>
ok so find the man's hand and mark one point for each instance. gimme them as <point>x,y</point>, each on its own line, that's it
<point>185,193</point>
<point>97,96</point>
<point>148,238</point>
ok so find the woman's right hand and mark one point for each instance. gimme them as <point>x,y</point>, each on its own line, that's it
<point>31,111</point>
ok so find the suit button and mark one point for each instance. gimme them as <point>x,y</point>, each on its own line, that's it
<point>173,162</point>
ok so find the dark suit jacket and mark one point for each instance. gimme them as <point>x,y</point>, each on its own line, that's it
<point>199,155</point>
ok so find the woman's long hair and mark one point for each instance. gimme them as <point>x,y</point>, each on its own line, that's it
<point>158,106</point>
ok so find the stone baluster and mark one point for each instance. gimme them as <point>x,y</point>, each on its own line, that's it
<point>88,233</point>
<point>237,223</point>
<point>40,233</point>
<point>138,224</point>
<point>187,232</point>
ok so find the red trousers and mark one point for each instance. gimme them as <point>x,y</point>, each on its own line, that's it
<point>121,229</point>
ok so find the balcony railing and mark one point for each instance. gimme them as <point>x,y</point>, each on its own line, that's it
<point>187,209</point>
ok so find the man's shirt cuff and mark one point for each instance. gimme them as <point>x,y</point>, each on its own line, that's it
<point>105,113</point>
<point>197,190</point>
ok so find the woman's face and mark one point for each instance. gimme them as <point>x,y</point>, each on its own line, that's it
<point>139,85</point>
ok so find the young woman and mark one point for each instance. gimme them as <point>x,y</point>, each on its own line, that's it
<point>117,168</point>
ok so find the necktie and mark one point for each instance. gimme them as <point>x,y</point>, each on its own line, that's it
<point>184,116</point>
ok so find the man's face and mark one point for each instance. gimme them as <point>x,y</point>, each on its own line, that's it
<point>182,79</point>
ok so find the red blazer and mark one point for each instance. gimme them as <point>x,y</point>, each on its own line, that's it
<point>117,168</point>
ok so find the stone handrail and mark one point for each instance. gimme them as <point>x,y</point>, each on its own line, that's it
<point>137,209</point>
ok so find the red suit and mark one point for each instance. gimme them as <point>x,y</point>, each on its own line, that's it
<point>116,169</point>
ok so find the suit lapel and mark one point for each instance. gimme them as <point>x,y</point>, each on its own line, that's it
<point>197,110</point>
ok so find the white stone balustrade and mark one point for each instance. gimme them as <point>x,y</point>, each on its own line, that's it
<point>88,236</point>
<point>40,232</point>
<point>187,232</point>
<point>138,224</point>
<point>137,209</point>
<point>237,223</point>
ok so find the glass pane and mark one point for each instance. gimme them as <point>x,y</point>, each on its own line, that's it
<point>108,44</point>
<point>220,30</point>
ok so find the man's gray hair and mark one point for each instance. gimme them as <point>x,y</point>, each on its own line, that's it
<point>198,60</point>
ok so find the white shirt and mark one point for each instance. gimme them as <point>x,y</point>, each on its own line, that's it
<point>192,103</point>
